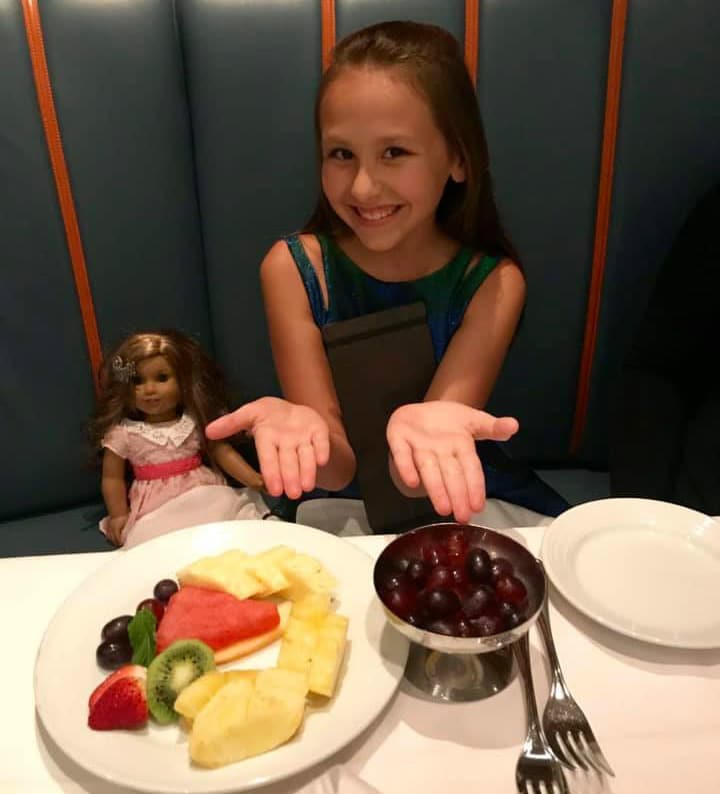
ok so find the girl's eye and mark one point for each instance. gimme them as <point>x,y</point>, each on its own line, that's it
<point>393,152</point>
<point>135,380</point>
<point>339,153</point>
<point>163,377</point>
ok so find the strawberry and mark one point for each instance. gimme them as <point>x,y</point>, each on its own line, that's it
<point>120,700</point>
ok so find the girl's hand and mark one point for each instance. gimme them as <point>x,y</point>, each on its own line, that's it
<point>115,526</point>
<point>291,441</point>
<point>433,445</point>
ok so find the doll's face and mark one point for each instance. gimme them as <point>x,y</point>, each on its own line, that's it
<point>156,392</point>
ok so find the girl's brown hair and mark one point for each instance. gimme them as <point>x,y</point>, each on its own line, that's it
<point>432,60</point>
<point>201,384</point>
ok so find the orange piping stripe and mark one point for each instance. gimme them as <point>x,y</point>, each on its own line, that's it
<point>327,16</point>
<point>46,102</point>
<point>602,217</point>
<point>472,29</point>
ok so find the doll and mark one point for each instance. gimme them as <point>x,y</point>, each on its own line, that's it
<point>158,390</point>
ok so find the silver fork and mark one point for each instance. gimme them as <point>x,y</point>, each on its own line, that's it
<point>536,763</point>
<point>566,727</point>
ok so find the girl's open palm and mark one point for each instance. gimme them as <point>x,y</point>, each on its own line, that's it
<point>433,445</point>
<point>291,441</point>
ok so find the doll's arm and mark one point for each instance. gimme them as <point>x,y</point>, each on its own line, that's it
<point>114,491</point>
<point>433,442</point>
<point>233,463</point>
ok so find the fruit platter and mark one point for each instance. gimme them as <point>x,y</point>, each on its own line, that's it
<point>218,658</point>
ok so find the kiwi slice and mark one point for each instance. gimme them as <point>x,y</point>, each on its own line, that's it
<point>171,671</point>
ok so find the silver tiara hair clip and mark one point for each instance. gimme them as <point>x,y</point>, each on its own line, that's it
<point>122,371</point>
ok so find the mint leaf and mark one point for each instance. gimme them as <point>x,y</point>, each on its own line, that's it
<point>141,631</point>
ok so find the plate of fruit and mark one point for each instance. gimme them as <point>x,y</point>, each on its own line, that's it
<point>218,658</point>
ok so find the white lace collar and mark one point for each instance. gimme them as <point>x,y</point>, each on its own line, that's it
<point>162,434</point>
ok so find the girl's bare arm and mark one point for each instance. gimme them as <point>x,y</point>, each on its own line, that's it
<point>466,376</point>
<point>300,359</point>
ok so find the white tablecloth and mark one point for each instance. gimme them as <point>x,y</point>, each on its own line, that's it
<point>655,711</point>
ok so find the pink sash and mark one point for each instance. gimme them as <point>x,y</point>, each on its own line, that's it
<point>160,471</point>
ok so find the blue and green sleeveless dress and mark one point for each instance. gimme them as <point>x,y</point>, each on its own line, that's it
<point>446,294</point>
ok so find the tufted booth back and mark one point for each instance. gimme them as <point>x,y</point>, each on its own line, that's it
<point>187,132</point>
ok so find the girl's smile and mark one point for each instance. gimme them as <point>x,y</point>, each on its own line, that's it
<point>375,216</point>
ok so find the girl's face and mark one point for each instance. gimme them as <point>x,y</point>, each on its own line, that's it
<point>385,163</point>
<point>156,392</point>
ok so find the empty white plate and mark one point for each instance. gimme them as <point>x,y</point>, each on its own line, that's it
<point>647,569</point>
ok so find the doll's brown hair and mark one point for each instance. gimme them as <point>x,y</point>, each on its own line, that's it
<point>431,59</point>
<point>201,383</point>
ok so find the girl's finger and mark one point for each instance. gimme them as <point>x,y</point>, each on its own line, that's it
<point>230,424</point>
<point>267,453</point>
<point>404,462</point>
<point>456,487</point>
<point>432,480</point>
<point>486,426</point>
<point>321,444</point>
<point>308,465</point>
<point>290,470</point>
<point>474,476</point>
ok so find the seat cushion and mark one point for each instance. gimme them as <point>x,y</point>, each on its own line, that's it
<point>61,532</point>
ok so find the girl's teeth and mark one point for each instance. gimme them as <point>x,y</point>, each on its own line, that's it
<point>375,215</point>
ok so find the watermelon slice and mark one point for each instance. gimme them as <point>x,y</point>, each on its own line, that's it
<point>218,619</point>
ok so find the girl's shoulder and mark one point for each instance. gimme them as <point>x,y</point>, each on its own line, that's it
<point>292,252</point>
<point>298,260</point>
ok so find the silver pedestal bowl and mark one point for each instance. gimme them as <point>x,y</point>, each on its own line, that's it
<point>450,667</point>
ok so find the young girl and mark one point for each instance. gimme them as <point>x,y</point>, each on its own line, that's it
<point>158,391</point>
<point>406,213</point>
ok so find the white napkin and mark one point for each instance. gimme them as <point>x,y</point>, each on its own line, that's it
<point>338,780</point>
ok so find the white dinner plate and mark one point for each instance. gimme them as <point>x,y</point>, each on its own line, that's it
<point>647,569</point>
<point>156,758</point>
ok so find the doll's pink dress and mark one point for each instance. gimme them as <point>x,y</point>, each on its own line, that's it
<point>160,504</point>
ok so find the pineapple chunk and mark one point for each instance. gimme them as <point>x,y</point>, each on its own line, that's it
<point>313,607</point>
<point>195,696</point>
<point>276,555</point>
<point>296,648</point>
<point>226,572</point>
<point>306,575</point>
<point>189,702</point>
<point>316,649</point>
<point>274,679</point>
<point>238,723</point>
<point>215,726</point>
<point>268,574</point>
<point>327,655</point>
